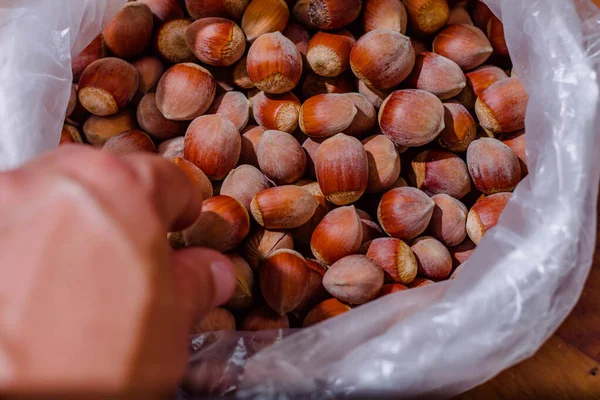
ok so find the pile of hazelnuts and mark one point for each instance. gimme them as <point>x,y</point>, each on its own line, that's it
<point>340,159</point>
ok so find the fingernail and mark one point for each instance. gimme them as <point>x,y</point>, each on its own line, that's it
<point>224,279</point>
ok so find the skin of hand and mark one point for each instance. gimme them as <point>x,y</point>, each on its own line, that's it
<point>93,301</point>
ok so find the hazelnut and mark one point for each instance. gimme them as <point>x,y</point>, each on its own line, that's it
<point>264,16</point>
<point>495,32</point>
<point>304,232</point>
<point>234,106</point>
<point>371,229</point>
<point>411,117</point>
<point>98,130</point>
<point>93,52</point>
<point>464,44</point>
<point>283,207</point>
<point>195,175</point>
<point>449,220</point>
<point>419,46</point>
<point>338,235</point>
<point>281,157</point>
<point>172,148</point>
<point>427,16</point>
<point>283,279</point>
<point>185,92</point>
<point>276,111</point>
<point>460,128</point>
<point>493,166</point>
<point>405,212</point>
<point>315,84</point>
<point>216,41</point>
<point>263,318</point>
<point>354,279</point>
<point>484,215</point>
<point>222,225</point>
<point>240,74</point>
<point>274,63</point>
<point>218,319</point>
<point>400,182</point>
<point>152,121</point>
<point>342,169</point>
<point>310,146</point>
<point>314,292</point>
<point>433,258</point>
<point>130,32</point>
<point>461,252</point>
<point>233,9</point>
<point>250,138</point>
<point>375,97</point>
<point>70,134</point>
<point>365,117</point>
<point>300,13</point>
<point>298,35</point>
<point>391,288</point>
<point>481,14</point>
<point>332,14</point>
<point>384,163</point>
<point>438,171</point>
<point>213,143</point>
<point>418,282</point>
<point>170,41</point>
<point>325,115</point>
<point>477,81</point>
<point>436,74</point>
<point>164,10</point>
<point>243,183</point>
<point>107,86</point>
<point>328,53</point>
<point>242,295</point>
<point>327,309</point>
<point>150,70</point>
<point>388,14</point>
<point>502,106</point>
<point>516,142</point>
<point>130,141</point>
<point>395,257</point>
<point>382,58</point>
<point>262,243</point>
<point>459,15</point>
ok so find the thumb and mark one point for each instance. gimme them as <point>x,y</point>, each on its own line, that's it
<point>203,278</point>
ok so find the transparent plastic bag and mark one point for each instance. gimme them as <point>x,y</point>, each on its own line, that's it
<point>438,340</point>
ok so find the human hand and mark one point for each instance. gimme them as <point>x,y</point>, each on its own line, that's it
<point>92,299</point>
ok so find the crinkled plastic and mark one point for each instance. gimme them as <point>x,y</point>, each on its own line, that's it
<point>438,340</point>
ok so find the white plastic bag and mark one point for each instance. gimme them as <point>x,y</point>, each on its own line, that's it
<point>437,340</point>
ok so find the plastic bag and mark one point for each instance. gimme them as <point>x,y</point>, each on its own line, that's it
<point>438,340</point>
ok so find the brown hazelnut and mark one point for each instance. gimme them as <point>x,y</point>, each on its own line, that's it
<point>433,258</point>
<point>130,32</point>
<point>460,129</point>
<point>263,318</point>
<point>391,288</point>
<point>328,53</point>
<point>371,230</point>
<point>495,32</point>
<point>310,146</point>
<point>152,121</point>
<point>130,141</point>
<point>449,220</point>
<point>107,86</point>
<point>250,139</point>
<point>493,166</point>
<point>516,142</point>
<point>327,309</point>
<point>439,171</point>
<point>274,63</point>
<point>459,15</point>
<point>281,157</point>
<point>243,183</point>
<point>276,111</point>
<point>185,92</point>
<point>384,163</point>
<point>213,143</point>
<point>98,130</point>
<point>427,16</point>
<point>365,117</point>
<point>314,84</point>
<point>418,282</point>
<point>195,175</point>
<point>461,252</point>
<point>411,117</point>
<point>314,292</point>
<point>72,101</point>
<point>172,148</point>
<point>342,169</point>
<point>150,70</point>
<point>304,232</point>
<point>502,106</point>
<point>283,207</point>
<point>388,14</point>
<point>233,9</point>
<point>283,279</point>
<point>405,212</point>
<point>242,298</point>
<point>325,115</point>
<point>216,41</point>
<point>477,81</point>
<point>262,243</point>
<point>70,134</point>
<point>298,35</point>
<point>354,279</point>
<point>395,257</point>
<point>240,74</point>
<point>375,97</point>
<point>332,14</point>
<point>338,235</point>
<point>234,106</point>
<point>222,225</point>
<point>436,74</point>
<point>481,14</point>
<point>164,10</point>
<point>484,215</point>
<point>93,52</point>
<point>218,319</point>
<point>464,44</point>
<point>382,58</point>
<point>264,16</point>
<point>419,46</point>
<point>170,41</point>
